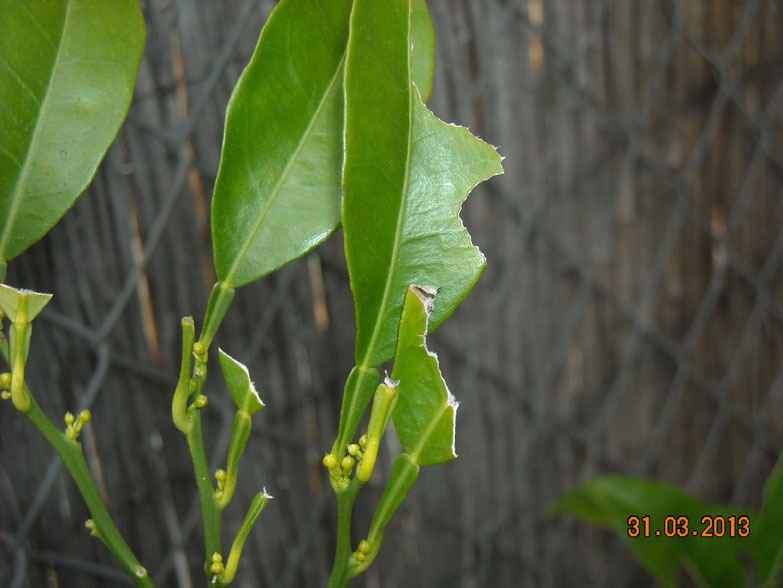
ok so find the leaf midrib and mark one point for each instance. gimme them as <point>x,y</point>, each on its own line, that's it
<point>284,175</point>
<point>365,363</point>
<point>426,434</point>
<point>25,171</point>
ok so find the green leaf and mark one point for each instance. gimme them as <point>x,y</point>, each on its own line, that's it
<point>238,381</point>
<point>13,300</point>
<point>609,502</point>
<point>405,177</point>
<point>767,534</point>
<point>67,71</point>
<point>426,411</point>
<point>422,48</point>
<point>277,193</point>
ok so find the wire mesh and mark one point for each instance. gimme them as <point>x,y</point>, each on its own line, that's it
<point>630,319</point>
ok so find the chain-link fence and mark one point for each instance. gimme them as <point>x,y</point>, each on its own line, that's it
<point>630,319</point>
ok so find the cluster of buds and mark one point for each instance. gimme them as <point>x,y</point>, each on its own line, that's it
<point>342,468</point>
<point>361,553</point>
<point>220,477</point>
<point>217,568</point>
<point>74,425</point>
<point>5,385</point>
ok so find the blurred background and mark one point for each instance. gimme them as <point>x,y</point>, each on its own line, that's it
<point>630,319</point>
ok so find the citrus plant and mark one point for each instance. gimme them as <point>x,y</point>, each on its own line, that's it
<point>327,126</point>
<point>671,531</point>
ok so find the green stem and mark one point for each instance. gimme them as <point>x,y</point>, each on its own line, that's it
<point>357,394</point>
<point>219,300</point>
<point>179,404</point>
<point>346,496</point>
<point>210,510</point>
<point>402,478</point>
<point>259,502</point>
<point>239,437</point>
<point>71,453</point>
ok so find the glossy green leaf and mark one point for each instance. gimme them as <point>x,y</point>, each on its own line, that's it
<point>405,177</point>
<point>767,534</point>
<point>422,48</point>
<point>67,71</point>
<point>12,300</point>
<point>426,411</point>
<point>609,501</point>
<point>277,193</point>
<point>243,392</point>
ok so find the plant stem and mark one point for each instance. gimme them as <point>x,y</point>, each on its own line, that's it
<point>71,453</point>
<point>346,496</point>
<point>210,510</point>
<point>259,502</point>
<point>219,300</point>
<point>358,392</point>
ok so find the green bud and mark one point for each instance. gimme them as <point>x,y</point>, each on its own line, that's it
<point>353,449</point>
<point>330,460</point>
<point>201,401</point>
<point>217,564</point>
<point>363,441</point>
<point>216,568</point>
<point>364,547</point>
<point>69,418</point>
<point>5,395</point>
<point>359,556</point>
<point>199,348</point>
<point>85,416</point>
<point>5,380</point>
<point>346,463</point>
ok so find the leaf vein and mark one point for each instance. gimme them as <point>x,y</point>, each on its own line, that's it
<point>25,171</point>
<point>284,175</point>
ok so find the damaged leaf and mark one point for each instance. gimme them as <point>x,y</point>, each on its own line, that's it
<point>426,411</point>
<point>22,305</point>
<point>243,392</point>
<point>405,177</point>
<point>278,190</point>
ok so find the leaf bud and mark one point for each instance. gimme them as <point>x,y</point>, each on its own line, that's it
<point>330,460</point>
<point>5,380</point>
